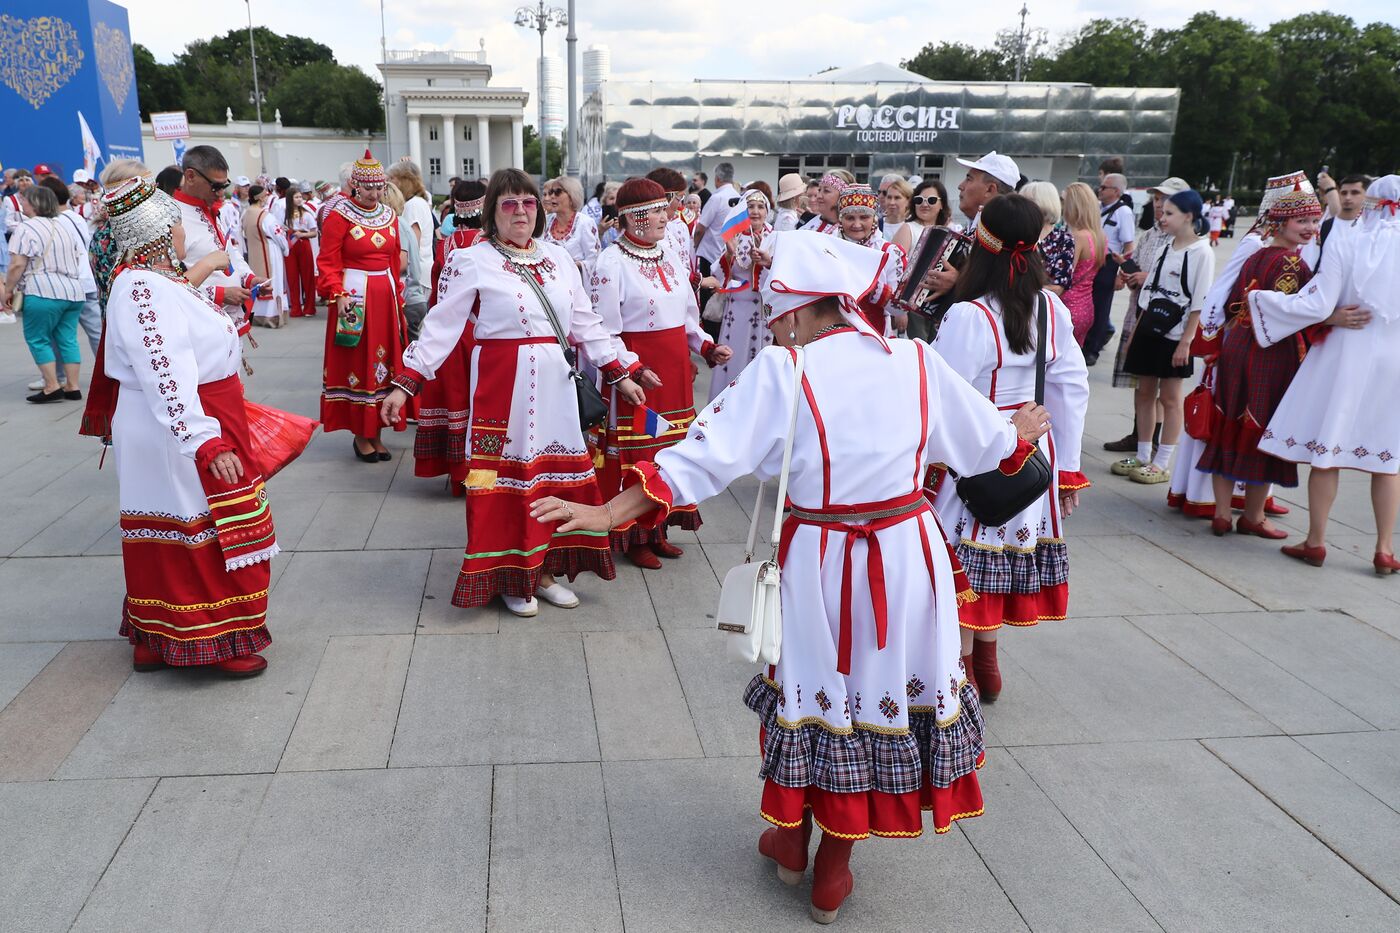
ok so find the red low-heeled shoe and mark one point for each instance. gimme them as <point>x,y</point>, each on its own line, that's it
<point>984,662</point>
<point>787,846</point>
<point>642,556</point>
<point>832,881</point>
<point>245,665</point>
<point>145,659</point>
<point>666,549</point>
<point>1385,564</point>
<point>1308,555</point>
<point>1220,526</point>
<point>1271,507</point>
<point>1246,527</point>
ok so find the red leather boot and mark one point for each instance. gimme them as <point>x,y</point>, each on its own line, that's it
<point>642,556</point>
<point>663,548</point>
<point>832,882</point>
<point>245,665</point>
<point>145,659</point>
<point>984,661</point>
<point>788,847</point>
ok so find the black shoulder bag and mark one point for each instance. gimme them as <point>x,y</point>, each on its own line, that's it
<point>1162,313</point>
<point>994,498</point>
<point>592,410</point>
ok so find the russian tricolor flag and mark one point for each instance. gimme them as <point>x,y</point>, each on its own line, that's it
<point>736,223</point>
<point>652,424</point>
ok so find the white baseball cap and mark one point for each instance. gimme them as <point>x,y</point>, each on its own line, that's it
<point>242,180</point>
<point>1002,168</point>
<point>81,176</point>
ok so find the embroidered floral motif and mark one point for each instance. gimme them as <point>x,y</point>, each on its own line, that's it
<point>1360,452</point>
<point>381,373</point>
<point>822,700</point>
<point>914,687</point>
<point>857,706</point>
<point>941,702</point>
<point>1385,456</point>
<point>353,380</point>
<point>485,442</point>
<point>1023,534</point>
<point>889,708</point>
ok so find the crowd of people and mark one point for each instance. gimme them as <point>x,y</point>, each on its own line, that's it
<point>545,347</point>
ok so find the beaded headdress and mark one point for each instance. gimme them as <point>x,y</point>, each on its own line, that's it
<point>640,195</point>
<point>1296,203</point>
<point>368,172</point>
<point>857,198</point>
<point>833,181</point>
<point>140,216</point>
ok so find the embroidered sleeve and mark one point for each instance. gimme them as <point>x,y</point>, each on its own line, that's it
<point>442,327</point>
<point>330,264</point>
<point>604,281</point>
<point>149,325</point>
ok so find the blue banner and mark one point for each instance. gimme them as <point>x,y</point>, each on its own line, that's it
<point>67,73</point>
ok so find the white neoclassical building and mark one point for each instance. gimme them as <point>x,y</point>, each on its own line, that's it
<point>444,115</point>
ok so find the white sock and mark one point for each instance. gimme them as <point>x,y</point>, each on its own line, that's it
<point>1144,454</point>
<point>1164,455</point>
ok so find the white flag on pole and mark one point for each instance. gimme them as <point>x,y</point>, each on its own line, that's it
<point>91,153</point>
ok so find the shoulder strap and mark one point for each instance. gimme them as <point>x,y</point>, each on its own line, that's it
<point>1185,275</point>
<point>1161,261</point>
<point>1042,325</point>
<point>548,306</point>
<point>799,361</point>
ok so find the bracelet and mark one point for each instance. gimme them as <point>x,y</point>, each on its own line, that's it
<point>612,522</point>
<point>1327,190</point>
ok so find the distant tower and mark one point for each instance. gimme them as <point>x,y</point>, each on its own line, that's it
<point>551,78</point>
<point>597,67</point>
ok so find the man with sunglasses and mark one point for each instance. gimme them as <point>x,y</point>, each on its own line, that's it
<point>200,198</point>
<point>1120,231</point>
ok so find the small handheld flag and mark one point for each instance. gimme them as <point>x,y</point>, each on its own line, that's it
<point>652,424</point>
<point>736,223</point>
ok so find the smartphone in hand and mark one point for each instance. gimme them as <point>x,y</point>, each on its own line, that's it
<point>1129,266</point>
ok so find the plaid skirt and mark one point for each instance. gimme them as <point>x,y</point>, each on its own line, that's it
<point>1250,382</point>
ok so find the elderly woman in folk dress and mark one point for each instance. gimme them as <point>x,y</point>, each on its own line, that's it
<point>524,436</point>
<point>566,224</point>
<point>743,326</point>
<point>197,533</point>
<point>867,717</point>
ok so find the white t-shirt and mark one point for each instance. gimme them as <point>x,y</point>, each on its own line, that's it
<point>416,210</point>
<point>713,217</point>
<point>1118,226</point>
<point>1199,260</point>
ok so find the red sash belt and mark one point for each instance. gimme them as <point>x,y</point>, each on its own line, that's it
<point>873,517</point>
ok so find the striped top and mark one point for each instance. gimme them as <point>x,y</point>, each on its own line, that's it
<point>56,257</point>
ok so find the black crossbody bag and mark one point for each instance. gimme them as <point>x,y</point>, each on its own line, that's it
<point>994,498</point>
<point>1162,314</point>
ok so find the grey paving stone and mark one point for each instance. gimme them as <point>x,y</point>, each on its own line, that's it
<point>1131,576</point>
<point>1356,668</point>
<point>173,869</point>
<point>714,683</point>
<point>1368,758</point>
<point>110,544</point>
<point>343,522</point>
<point>684,592</point>
<point>1351,821</point>
<point>1120,685</point>
<point>551,852</point>
<point>350,593</point>
<point>1172,822</point>
<point>292,514</point>
<point>43,723</point>
<point>1274,693</point>
<point>78,529</point>
<point>348,718</point>
<point>1104,510</point>
<point>92,588</point>
<point>488,699</point>
<point>419,513</point>
<point>1054,878</point>
<point>59,836</point>
<point>195,722</point>
<point>19,663</point>
<point>398,849</point>
<point>26,517</point>
<point>1032,710</point>
<point>637,701</point>
<point>686,834</point>
<point>438,616</point>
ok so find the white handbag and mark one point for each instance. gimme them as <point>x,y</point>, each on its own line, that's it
<point>750,602</point>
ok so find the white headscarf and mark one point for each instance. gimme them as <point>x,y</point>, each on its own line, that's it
<point>808,266</point>
<point>1376,270</point>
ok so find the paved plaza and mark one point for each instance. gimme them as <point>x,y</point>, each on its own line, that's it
<point>1211,742</point>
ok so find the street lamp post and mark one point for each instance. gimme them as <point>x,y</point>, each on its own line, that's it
<point>541,17</point>
<point>384,57</point>
<point>571,149</point>
<point>257,94</point>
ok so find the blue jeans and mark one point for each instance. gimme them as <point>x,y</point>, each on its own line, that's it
<point>51,327</point>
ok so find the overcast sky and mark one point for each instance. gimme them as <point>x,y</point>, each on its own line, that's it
<point>672,40</point>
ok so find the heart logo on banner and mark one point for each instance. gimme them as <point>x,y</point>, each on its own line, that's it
<point>113,61</point>
<point>38,56</point>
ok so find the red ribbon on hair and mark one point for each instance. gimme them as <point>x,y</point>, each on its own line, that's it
<point>1390,203</point>
<point>1019,263</point>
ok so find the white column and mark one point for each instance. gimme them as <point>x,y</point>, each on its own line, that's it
<point>450,166</point>
<point>415,141</point>
<point>483,145</point>
<point>517,141</point>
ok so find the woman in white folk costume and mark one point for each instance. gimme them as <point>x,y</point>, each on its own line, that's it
<point>824,203</point>
<point>524,438</point>
<point>268,248</point>
<point>867,719</point>
<point>679,239</point>
<point>643,296</point>
<point>1339,411</point>
<point>197,533</point>
<point>566,224</point>
<point>1191,490</point>
<point>743,328</point>
<point>859,224</point>
<point>1020,570</point>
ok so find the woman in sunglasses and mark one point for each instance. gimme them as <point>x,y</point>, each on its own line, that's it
<point>525,299</point>
<point>565,222</point>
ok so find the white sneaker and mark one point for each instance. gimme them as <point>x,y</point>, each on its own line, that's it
<point>36,385</point>
<point>558,594</point>
<point>7,317</point>
<point>525,608</point>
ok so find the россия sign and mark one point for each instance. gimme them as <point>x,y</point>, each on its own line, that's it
<point>888,123</point>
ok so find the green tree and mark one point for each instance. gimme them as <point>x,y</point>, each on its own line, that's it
<point>158,87</point>
<point>1372,140</point>
<point>554,154</point>
<point>958,61</point>
<point>328,95</point>
<point>1104,53</point>
<point>1318,55</point>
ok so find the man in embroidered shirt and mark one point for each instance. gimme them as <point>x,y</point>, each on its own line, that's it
<point>199,196</point>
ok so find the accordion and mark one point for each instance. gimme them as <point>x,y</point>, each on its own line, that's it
<point>937,248</point>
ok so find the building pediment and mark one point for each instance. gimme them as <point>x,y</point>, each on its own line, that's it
<point>464,94</point>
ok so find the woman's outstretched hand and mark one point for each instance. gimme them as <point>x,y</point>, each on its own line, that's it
<point>1031,421</point>
<point>574,516</point>
<point>391,410</point>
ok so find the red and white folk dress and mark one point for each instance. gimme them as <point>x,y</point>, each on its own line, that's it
<point>643,296</point>
<point>1020,570</point>
<point>360,257</point>
<point>744,327</point>
<point>195,550</point>
<point>524,437</point>
<point>868,718</point>
<point>440,443</point>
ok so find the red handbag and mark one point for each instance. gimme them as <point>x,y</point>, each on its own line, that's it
<point>1201,413</point>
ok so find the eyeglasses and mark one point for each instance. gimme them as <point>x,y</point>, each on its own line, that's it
<point>554,192</point>
<point>216,185</point>
<point>921,199</point>
<point>1109,188</point>
<point>515,205</point>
